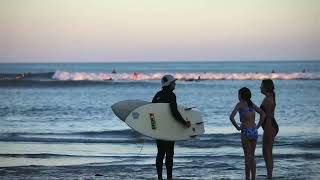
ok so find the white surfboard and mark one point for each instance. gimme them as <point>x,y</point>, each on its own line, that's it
<point>156,121</point>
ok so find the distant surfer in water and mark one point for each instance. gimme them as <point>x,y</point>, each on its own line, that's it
<point>270,125</point>
<point>166,148</point>
<point>135,76</point>
<point>20,76</point>
<point>248,128</point>
<point>114,71</point>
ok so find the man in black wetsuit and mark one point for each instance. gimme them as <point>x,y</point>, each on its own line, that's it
<point>166,148</point>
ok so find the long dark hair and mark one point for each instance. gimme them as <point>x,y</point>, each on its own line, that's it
<point>245,94</point>
<point>268,85</point>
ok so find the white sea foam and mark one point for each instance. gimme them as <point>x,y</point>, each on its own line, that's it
<point>78,76</point>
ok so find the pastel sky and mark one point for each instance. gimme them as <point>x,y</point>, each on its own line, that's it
<point>158,30</point>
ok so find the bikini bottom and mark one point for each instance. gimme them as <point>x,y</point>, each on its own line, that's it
<point>250,133</point>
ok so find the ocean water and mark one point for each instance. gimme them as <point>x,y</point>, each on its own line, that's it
<point>56,121</point>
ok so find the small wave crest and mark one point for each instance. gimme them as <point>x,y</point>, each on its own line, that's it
<point>116,136</point>
<point>26,76</point>
<point>128,136</point>
<point>306,155</point>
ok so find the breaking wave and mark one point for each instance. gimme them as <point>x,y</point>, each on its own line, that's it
<point>80,76</point>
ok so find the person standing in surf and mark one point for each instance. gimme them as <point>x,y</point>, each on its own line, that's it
<point>166,148</point>
<point>270,125</point>
<point>248,128</point>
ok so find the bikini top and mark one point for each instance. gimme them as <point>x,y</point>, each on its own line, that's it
<point>241,113</point>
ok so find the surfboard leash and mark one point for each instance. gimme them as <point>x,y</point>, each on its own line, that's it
<point>138,155</point>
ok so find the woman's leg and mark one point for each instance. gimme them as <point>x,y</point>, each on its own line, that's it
<point>247,153</point>
<point>253,161</point>
<point>267,146</point>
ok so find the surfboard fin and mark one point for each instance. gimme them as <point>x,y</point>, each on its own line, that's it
<point>189,108</point>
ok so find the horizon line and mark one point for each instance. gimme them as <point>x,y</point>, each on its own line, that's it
<point>164,61</point>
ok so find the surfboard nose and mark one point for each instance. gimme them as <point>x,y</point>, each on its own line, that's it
<point>123,108</point>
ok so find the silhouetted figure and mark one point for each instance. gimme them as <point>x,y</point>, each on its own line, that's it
<point>166,148</point>
<point>270,125</point>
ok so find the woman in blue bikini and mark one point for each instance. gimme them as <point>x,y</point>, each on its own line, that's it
<point>248,128</point>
